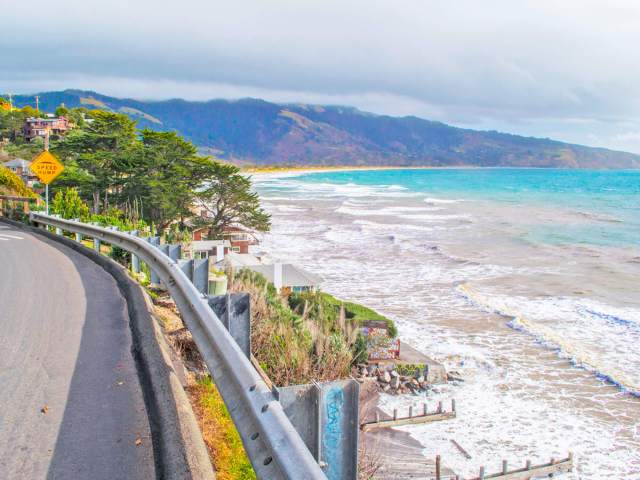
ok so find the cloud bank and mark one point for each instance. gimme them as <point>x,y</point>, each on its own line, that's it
<point>568,70</point>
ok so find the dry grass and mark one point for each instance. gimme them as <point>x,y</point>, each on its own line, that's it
<point>369,458</point>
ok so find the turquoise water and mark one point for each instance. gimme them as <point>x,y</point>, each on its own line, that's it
<point>611,198</point>
<point>524,281</point>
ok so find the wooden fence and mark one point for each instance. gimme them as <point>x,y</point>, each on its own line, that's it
<point>424,417</point>
<point>528,472</point>
<point>17,208</point>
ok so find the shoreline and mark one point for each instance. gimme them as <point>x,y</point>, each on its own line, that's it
<point>304,170</point>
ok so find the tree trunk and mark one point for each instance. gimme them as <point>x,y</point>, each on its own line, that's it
<point>96,202</point>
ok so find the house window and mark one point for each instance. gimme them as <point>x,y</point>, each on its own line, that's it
<point>201,255</point>
<point>235,249</point>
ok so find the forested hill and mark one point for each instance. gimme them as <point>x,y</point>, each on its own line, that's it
<point>256,131</point>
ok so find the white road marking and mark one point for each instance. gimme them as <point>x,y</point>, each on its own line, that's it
<point>5,235</point>
<point>4,239</point>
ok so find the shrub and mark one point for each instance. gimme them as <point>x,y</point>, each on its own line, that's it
<point>68,204</point>
<point>12,184</point>
<point>331,306</point>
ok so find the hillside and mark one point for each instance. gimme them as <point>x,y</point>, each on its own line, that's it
<point>260,132</point>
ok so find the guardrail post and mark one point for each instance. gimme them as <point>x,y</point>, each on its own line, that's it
<point>135,261</point>
<point>201,275</point>
<point>187,268</point>
<point>175,252</point>
<point>326,416</point>
<point>234,310</point>
<point>96,240</point>
<point>155,241</point>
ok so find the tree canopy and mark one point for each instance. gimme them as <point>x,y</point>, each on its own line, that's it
<point>228,200</point>
<point>153,176</point>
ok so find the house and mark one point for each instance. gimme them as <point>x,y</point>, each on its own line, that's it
<point>239,238</point>
<point>200,249</point>
<point>288,278</point>
<point>38,127</point>
<point>20,167</point>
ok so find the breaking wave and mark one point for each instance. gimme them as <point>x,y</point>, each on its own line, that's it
<point>555,340</point>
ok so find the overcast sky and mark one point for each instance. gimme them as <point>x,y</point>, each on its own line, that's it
<point>565,69</point>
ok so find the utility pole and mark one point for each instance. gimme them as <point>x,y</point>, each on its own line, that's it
<point>46,149</point>
<point>37,103</point>
<point>11,102</point>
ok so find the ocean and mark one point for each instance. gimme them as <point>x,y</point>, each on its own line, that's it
<point>525,281</point>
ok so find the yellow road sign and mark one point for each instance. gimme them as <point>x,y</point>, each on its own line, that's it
<point>46,167</point>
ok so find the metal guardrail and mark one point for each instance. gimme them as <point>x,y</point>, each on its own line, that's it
<point>273,445</point>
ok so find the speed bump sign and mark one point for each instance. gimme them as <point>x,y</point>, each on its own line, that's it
<point>46,167</point>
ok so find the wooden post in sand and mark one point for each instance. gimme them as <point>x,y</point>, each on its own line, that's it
<point>438,467</point>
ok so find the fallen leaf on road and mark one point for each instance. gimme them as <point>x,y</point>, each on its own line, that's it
<point>138,442</point>
<point>120,383</point>
<point>44,409</point>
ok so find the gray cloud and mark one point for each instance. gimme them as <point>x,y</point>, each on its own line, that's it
<point>567,69</point>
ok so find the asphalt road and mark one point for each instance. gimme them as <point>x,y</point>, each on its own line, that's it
<point>71,406</point>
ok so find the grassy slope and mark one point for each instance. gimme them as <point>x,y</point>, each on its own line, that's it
<point>224,443</point>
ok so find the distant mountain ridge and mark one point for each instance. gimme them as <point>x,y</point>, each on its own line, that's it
<point>259,132</point>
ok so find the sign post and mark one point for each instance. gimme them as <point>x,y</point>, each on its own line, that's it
<point>46,167</point>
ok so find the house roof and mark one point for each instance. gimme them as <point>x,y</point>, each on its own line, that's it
<point>205,245</point>
<point>239,260</point>
<point>292,275</point>
<point>17,163</point>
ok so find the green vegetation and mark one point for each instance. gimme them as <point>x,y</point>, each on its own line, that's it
<point>68,204</point>
<point>331,305</point>
<point>409,369</point>
<point>219,433</point>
